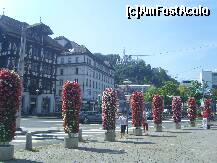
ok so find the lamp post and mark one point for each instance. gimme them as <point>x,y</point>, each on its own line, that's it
<point>37,92</point>
<point>21,70</point>
<point>127,83</point>
<point>99,102</point>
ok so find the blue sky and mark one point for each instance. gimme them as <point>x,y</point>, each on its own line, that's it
<point>181,45</point>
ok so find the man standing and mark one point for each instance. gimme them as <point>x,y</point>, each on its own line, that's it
<point>123,123</point>
<point>145,122</point>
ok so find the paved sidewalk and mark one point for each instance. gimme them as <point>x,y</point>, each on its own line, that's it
<point>193,145</point>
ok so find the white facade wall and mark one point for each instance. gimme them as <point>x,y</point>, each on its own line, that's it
<point>92,76</point>
<point>206,76</point>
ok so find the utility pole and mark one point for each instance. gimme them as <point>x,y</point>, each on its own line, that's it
<point>21,71</point>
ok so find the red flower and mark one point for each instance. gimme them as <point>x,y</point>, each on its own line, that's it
<point>177,109</point>
<point>137,105</point>
<point>157,108</point>
<point>207,109</point>
<point>191,109</point>
<point>71,97</point>
<point>10,95</point>
<point>109,108</point>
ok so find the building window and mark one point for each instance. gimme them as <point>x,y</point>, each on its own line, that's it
<point>96,85</point>
<point>60,92</point>
<point>76,59</point>
<point>61,71</point>
<point>69,60</point>
<point>61,82</point>
<point>62,60</point>
<point>93,84</point>
<point>76,71</point>
<point>90,83</point>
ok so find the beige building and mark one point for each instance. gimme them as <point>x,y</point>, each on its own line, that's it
<point>77,63</point>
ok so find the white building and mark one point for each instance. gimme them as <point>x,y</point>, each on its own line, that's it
<point>186,83</point>
<point>210,78</point>
<point>77,63</point>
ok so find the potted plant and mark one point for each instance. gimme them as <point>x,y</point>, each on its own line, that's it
<point>10,95</point>
<point>137,104</point>
<point>71,97</point>
<point>109,108</point>
<point>192,113</point>
<point>177,111</point>
<point>157,110</point>
<point>206,114</point>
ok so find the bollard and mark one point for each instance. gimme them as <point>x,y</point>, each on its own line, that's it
<point>80,135</point>
<point>29,141</point>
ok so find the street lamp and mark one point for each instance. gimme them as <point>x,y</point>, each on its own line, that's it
<point>127,83</point>
<point>21,65</point>
<point>37,92</point>
<point>99,102</point>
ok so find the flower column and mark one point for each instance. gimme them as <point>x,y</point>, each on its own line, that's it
<point>192,111</point>
<point>10,94</point>
<point>177,111</point>
<point>157,110</point>
<point>71,97</point>
<point>109,108</point>
<point>206,114</point>
<point>137,104</point>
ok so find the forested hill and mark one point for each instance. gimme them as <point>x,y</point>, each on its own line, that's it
<point>136,71</point>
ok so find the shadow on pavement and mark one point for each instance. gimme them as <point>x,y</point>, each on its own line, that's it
<point>94,141</point>
<point>100,150</point>
<point>135,142</point>
<point>21,161</point>
<point>135,138</point>
<point>193,129</point>
<point>46,137</point>
<point>179,132</point>
<point>166,136</point>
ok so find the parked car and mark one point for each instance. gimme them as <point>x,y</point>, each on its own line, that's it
<point>149,115</point>
<point>90,117</point>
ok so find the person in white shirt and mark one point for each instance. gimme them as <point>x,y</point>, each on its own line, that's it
<point>123,123</point>
<point>145,122</point>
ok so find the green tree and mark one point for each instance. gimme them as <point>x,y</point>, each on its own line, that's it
<point>196,91</point>
<point>148,95</point>
<point>136,71</point>
<point>183,92</point>
<point>168,90</point>
<point>214,94</point>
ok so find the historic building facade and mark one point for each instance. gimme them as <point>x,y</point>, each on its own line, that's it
<point>40,55</point>
<point>77,63</point>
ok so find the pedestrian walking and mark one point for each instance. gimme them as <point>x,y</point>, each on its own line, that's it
<point>145,123</point>
<point>123,124</point>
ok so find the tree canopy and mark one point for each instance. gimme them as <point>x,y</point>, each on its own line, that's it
<point>136,71</point>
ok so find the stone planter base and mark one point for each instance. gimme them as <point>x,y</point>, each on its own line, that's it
<point>158,127</point>
<point>71,142</point>
<point>110,135</point>
<point>6,152</point>
<point>137,132</point>
<point>178,125</point>
<point>192,124</point>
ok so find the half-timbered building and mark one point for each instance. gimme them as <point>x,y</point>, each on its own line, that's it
<point>40,56</point>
